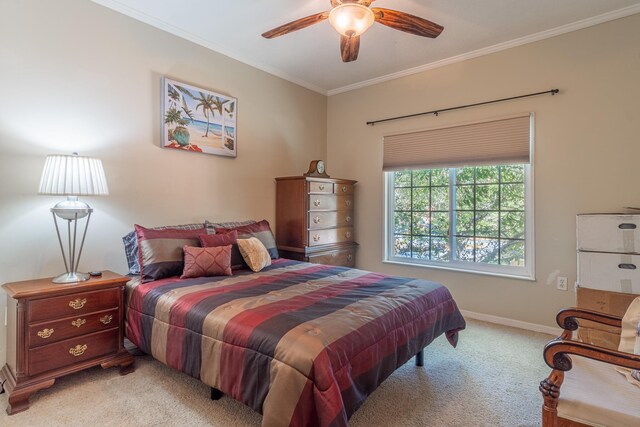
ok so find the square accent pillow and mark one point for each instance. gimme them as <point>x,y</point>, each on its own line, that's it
<point>630,339</point>
<point>131,244</point>
<point>254,253</point>
<point>160,251</point>
<point>205,262</point>
<point>259,230</point>
<point>230,238</point>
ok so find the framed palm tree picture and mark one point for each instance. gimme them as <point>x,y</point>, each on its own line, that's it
<point>196,119</point>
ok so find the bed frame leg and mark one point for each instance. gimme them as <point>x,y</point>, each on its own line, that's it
<point>216,394</point>
<point>420,358</point>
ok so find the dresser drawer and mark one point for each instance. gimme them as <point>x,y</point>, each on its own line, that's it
<point>320,187</point>
<point>608,233</point>
<point>73,350</point>
<point>609,272</point>
<point>319,220</point>
<point>333,235</point>
<point>343,189</point>
<point>345,258</point>
<point>322,202</point>
<point>73,305</point>
<point>52,331</point>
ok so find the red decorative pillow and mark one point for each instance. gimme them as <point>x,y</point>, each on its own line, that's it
<point>259,230</point>
<point>204,262</point>
<point>230,238</point>
<point>160,251</point>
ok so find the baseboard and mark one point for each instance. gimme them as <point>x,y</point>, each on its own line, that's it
<point>513,323</point>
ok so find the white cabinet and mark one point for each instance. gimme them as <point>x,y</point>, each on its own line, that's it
<point>609,252</point>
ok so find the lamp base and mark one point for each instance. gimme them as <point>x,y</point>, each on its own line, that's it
<point>71,277</point>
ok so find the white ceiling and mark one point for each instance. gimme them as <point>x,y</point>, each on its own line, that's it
<point>311,57</point>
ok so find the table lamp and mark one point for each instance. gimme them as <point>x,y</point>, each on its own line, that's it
<point>72,176</point>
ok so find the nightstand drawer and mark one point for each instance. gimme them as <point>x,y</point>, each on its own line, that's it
<point>49,332</point>
<point>73,305</point>
<point>71,351</point>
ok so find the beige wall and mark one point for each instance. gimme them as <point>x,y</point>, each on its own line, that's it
<point>75,76</point>
<point>587,150</point>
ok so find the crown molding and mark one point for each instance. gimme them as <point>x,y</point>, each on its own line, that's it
<point>574,26</point>
<point>176,31</point>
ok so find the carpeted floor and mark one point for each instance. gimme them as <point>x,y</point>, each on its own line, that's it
<point>491,379</point>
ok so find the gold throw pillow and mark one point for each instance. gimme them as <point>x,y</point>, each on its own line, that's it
<point>255,254</point>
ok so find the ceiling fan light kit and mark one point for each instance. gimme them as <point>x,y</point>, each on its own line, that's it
<point>351,18</point>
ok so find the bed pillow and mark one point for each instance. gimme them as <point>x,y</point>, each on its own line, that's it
<point>211,226</point>
<point>230,238</point>
<point>259,230</point>
<point>160,251</point>
<point>205,262</point>
<point>131,244</point>
<point>254,253</point>
<point>630,339</point>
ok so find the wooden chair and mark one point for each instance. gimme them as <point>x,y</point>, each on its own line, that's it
<point>595,393</point>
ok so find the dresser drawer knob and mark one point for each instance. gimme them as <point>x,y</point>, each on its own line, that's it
<point>321,187</point>
<point>106,319</point>
<point>627,226</point>
<point>349,257</point>
<point>316,203</point>
<point>344,188</point>
<point>78,350</point>
<point>316,220</point>
<point>78,303</point>
<point>79,322</point>
<point>627,266</point>
<point>347,234</point>
<point>348,202</point>
<point>45,333</point>
<point>316,237</point>
<point>348,219</point>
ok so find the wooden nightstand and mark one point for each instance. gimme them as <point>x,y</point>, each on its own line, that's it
<point>56,329</point>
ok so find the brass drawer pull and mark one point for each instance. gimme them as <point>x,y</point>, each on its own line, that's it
<point>45,333</point>
<point>79,322</point>
<point>316,220</point>
<point>321,187</point>
<point>106,319</point>
<point>316,203</point>
<point>348,203</point>
<point>347,234</point>
<point>344,188</point>
<point>348,219</point>
<point>316,237</point>
<point>78,303</point>
<point>78,350</point>
<point>349,257</point>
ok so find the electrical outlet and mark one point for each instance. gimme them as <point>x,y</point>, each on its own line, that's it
<point>562,283</point>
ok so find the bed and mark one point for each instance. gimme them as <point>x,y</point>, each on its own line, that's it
<point>303,344</point>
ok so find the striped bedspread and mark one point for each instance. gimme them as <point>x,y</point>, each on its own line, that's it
<point>303,344</point>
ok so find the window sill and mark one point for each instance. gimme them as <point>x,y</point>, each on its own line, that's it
<point>525,277</point>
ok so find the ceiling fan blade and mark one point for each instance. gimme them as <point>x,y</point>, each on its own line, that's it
<point>349,46</point>
<point>296,25</point>
<point>408,23</point>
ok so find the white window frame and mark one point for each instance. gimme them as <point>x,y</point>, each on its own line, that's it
<point>527,272</point>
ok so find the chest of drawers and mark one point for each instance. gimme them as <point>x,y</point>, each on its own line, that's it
<point>57,329</point>
<point>315,219</point>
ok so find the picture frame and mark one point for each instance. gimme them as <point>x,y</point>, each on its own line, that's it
<point>198,120</point>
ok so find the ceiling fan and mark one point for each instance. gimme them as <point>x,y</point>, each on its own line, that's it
<point>351,18</point>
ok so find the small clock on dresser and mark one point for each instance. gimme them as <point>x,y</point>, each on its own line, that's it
<point>317,169</point>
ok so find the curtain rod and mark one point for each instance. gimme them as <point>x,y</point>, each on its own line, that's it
<point>436,112</point>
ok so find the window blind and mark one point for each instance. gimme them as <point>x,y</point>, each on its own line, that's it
<point>500,141</point>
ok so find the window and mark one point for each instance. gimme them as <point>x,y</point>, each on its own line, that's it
<point>475,218</point>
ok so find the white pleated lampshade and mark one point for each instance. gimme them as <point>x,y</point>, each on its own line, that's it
<point>73,176</point>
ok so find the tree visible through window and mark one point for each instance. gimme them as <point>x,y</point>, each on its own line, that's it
<point>460,215</point>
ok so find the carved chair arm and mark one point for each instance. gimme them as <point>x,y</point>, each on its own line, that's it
<point>567,319</point>
<point>556,354</point>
